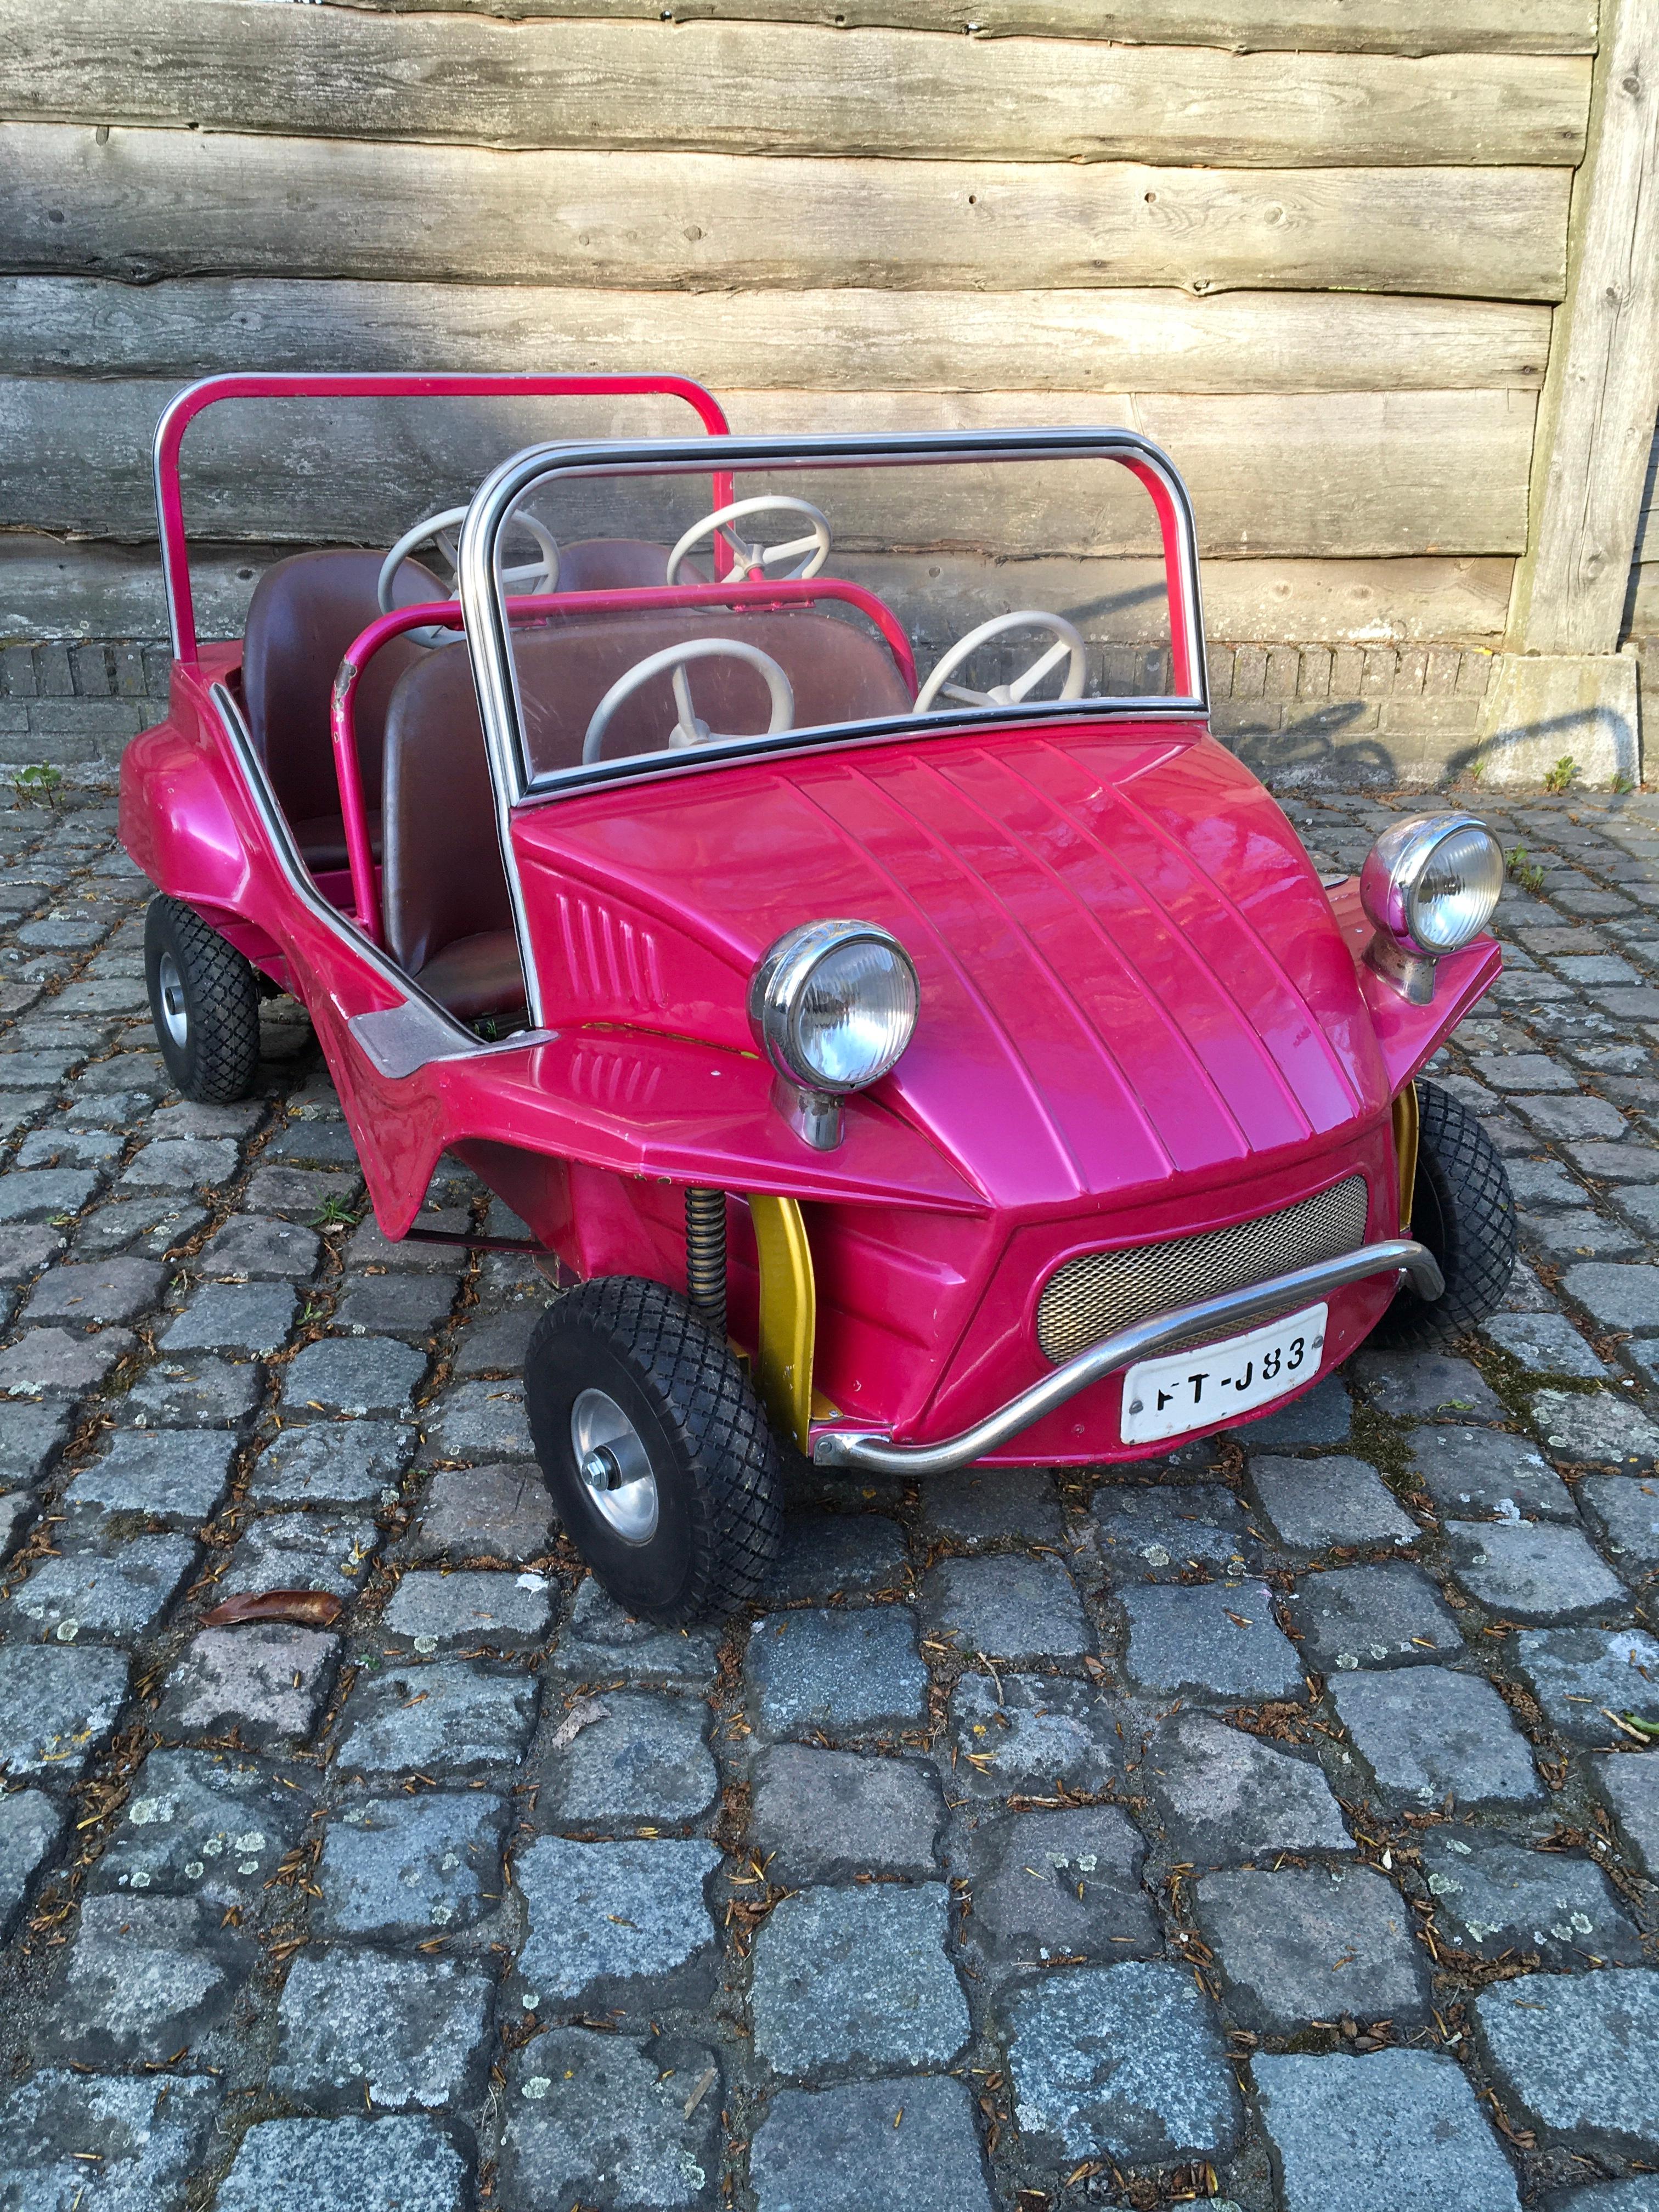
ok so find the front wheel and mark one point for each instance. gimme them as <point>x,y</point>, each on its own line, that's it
<point>1463,1209</point>
<point>656,1450</point>
<point>205,1001</point>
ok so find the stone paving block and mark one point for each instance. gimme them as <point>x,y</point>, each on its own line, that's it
<point>1225,1797</point>
<point>146,1977</point>
<point>1572,1117</point>
<point>987,1504</point>
<point>1047,1886</point>
<point>193,1118</point>
<point>1532,1570</point>
<point>871,2147</point>
<point>311,1144</point>
<point>597,2119</point>
<point>1545,1344</point>
<point>1578,2055</point>
<point>298,1550</point>
<point>1492,1897</point>
<point>857,1980</point>
<point>96,1290</point>
<point>1429,1734</point>
<point>1398,2129</point>
<point>182,1164</point>
<point>196,1393</point>
<point>1471,1473</point>
<point>413,1306</point>
<point>1562,1238</point>
<point>833,1815</point>
<point>1580,1674</point>
<point>365,1378</point>
<point>1423,1386</point>
<point>249,1318</point>
<point>1377,1616</point>
<point>501,1513</point>
<point>104,2143</point>
<point>826,1555</point>
<point>1624,1511</point>
<point>1626,1160</point>
<point>1210,1639</point>
<point>202,1824</point>
<point>179,1480</point>
<point>1631,1786</point>
<point>1323,1415</point>
<point>1008,1607</point>
<point>30,1826</point>
<point>151,1226</point>
<point>495,1344</point>
<point>1315,1503</point>
<point>346,2164</point>
<point>369,1248</point>
<point>46,1193</point>
<point>30,1438</point>
<point>56,1707</point>
<point>1524,1070</point>
<point>842,1672</point>
<point>601,1642</point>
<point>333,1464</point>
<point>1617,1297</point>
<point>643,1757</point>
<point>300,1194</point>
<point>359,2027</point>
<point>254,1250</point>
<point>1310,1943</point>
<point>50,1363</point>
<point>242,1682</point>
<point>26,1249</point>
<point>481,1423</point>
<point>1031,1735</point>
<point>1124,2063</point>
<point>81,1595</point>
<point>461,1716</point>
<point>1596,1430</point>
<point>1639,2193</point>
<point>57,1145</point>
<point>436,1612</point>
<point>17,1511</point>
<point>400,1868</point>
<point>604,1915</point>
<point>1149,1531</point>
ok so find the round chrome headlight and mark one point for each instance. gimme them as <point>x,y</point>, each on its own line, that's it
<point>1430,884</point>
<point>834,1004</point>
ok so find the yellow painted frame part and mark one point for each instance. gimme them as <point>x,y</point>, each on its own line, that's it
<point>788,1315</point>
<point>1405,1152</point>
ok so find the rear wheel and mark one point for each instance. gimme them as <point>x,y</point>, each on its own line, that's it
<point>656,1450</point>
<point>205,1001</point>
<point>1463,1209</point>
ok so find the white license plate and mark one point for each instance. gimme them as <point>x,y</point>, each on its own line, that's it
<point>1188,1390</point>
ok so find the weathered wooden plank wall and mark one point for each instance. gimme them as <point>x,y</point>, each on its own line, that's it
<point>1314,248</point>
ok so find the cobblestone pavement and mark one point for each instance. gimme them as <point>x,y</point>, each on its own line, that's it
<point>1274,1822</point>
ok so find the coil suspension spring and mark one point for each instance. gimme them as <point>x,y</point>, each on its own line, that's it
<point>705,1257</point>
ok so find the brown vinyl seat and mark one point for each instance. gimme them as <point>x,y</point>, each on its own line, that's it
<point>448,918</point>
<point>305,613</point>
<point>611,564</point>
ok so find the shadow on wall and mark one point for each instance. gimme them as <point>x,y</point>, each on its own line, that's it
<point>1313,749</point>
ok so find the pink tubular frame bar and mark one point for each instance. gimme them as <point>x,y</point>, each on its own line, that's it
<point>354,814</point>
<point>186,405</point>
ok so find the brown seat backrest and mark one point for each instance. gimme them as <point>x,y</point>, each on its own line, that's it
<point>443,877</point>
<point>611,564</point>
<point>304,614</point>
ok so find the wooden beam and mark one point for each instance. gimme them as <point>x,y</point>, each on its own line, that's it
<point>137,205</point>
<point>1377,27</point>
<point>832,341</point>
<point>1348,474</point>
<point>1595,421</point>
<point>655,87</point>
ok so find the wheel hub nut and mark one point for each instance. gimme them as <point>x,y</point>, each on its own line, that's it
<point>601,1469</point>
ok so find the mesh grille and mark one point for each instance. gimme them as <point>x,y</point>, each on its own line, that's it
<point>1096,1294</point>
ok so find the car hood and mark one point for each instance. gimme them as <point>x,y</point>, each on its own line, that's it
<point>1129,971</point>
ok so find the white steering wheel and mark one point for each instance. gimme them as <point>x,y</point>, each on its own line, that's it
<point>1009,695</point>
<point>690,729</point>
<point>441,529</point>
<point>748,559</point>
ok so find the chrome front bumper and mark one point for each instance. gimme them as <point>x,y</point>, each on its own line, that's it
<point>876,1454</point>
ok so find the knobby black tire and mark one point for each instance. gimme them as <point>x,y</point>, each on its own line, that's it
<point>219,1061</point>
<point>1463,1209</point>
<point>717,1466</point>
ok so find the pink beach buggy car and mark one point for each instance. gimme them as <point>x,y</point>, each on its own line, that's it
<point>797,876</point>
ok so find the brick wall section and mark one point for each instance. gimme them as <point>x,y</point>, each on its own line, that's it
<point>1341,715</point>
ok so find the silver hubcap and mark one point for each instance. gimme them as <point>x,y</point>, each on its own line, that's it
<point>615,1466</point>
<point>170,986</point>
